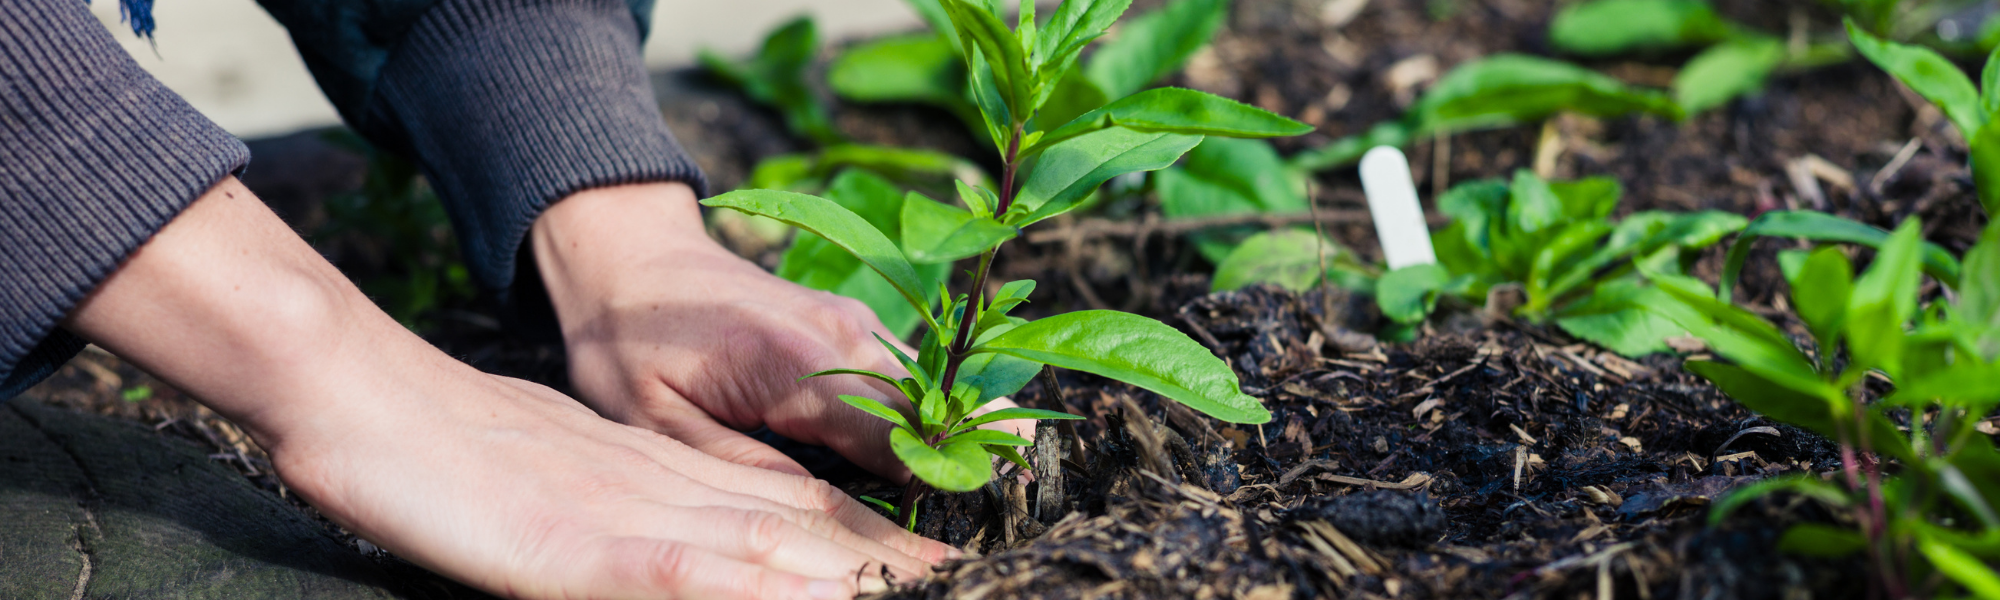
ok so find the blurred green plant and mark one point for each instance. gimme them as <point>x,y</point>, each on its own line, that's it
<point>1497,91</point>
<point>1917,499</point>
<point>1556,242</point>
<point>776,76</point>
<point>1734,60</point>
<point>1940,81</point>
<point>397,222</point>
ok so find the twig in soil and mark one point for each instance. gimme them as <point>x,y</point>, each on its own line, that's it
<point>1086,229</point>
<point>1895,166</point>
<point>1432,386</point>
<point>1766,430</point>
<point>1414,481</point>
<point>1214,345</point>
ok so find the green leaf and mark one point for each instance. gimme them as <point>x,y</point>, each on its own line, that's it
<point>1289,258</point>
<point>1989,83</point>
<point>1804,484</point>
<point>1883,300</point>
<point>1985,146</point>
<point>952,467</point>
<point>1772,399</point>
<point>980,200</point>
<point>1611,27</point>
<point>1074,25</point>
<point>1011,456</point>
<point>776,77</point>
<point>877,408</point>
<point>1753,343</point>
<point>1512,88</point>
<point>1820,294</point>
<point>1135,350</point>
<point>1978,308</point>
<point>838,225</point>
<point>1532,204</point>
<point>1822,227</point>
<point>1177,110</point>
<point>862,372</point>
<point>978,27</point>
<point>916,369</point>
<point>1590,198</point>
<point>1961,567</point>
<point>1968,384</point>
<point>1010,294</point>
<point>1070,97</point>
<point>1070,171</point>
<point>1010,414</point>
<point>988,437</point>
<point>1932,76</point>
<point>814,262</point>
<point>1616,315</point>
<point>881,504</point>
<point>1821,540</point>
<point>935,232</point>
<point>909,68</point>
<point>996,375</point>
<point>1725,71</point>
<point>1229,177</point>
<point>1155,44</point>
<point>1409,294</point>
<point>1345,151</point>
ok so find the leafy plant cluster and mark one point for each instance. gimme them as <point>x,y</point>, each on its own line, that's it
<point>407,237</point>
<point>1734,59</point>
<point>1969,108</point>
<point>972,350</point>
<point>1556,244</point>
<point>1917,478</point>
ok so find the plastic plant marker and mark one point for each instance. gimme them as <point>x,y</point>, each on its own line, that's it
<point>1392,201</point>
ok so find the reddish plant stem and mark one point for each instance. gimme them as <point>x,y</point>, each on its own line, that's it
<point>962,340</point>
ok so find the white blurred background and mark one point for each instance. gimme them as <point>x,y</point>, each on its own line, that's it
<point>237,65</point>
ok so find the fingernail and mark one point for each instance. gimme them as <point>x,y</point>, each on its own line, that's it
<point>951,553</point>
<point>821,589</point>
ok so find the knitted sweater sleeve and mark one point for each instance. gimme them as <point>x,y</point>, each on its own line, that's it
<point>95,156</point>
<point>507,105</point>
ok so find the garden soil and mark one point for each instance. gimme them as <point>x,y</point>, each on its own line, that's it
<point>1491,458</point>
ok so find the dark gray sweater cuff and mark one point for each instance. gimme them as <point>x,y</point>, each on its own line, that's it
<point>510,105</point>
<point>95,156</point>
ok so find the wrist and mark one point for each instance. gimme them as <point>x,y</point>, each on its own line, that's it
<point>592,246</point>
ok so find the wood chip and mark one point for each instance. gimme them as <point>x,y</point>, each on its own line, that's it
<point>1413,481</point>
<point>1529,439</point>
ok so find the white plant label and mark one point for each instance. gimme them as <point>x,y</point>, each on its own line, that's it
<point>1392,201</point>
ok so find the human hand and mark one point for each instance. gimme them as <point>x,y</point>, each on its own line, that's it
<point>669,331</point>
<point>498,483</point>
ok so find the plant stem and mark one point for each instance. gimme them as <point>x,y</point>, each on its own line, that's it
<point>962,340</point>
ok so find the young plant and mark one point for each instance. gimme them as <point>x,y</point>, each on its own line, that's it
<point>927,67</point>
<point>1497,91</point>
<point>972,351</point>
<point>1736,59</point>
<point>1939,81</point>
<point>1556,242</point>
<point>1295,259</point>
<point>776,76</point>
<point>1929,530</point>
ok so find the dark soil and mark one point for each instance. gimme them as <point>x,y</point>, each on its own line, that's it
<point>1486,460</point>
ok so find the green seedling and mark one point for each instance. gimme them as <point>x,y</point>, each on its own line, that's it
<point>776,76</point>
<point>1556,242</point>
<point>1941,82</point>
<point>1498,91</point>
<point>1916,502</point>
<point>1295,259</point>
<point>397,230</point>
<point>972,350</point>
<point>927,67</point>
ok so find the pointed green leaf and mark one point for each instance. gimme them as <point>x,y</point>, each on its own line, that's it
<point>1177,110</point>
<point>1805,484</point>
<point>1011,294</point>
<point>1985,146</point>
<point>1011,456</point>
<point>1822,227</point>
<point>978,199</point>
<point>1821,540</point>
<point>838,225</point>
<point>776,77</point>
<point>1611,27</point>
<point>1820,294</point>
<point>1225,176</point>
<point>1619,316</point>
<point>1155,44</point>
<point>1070,171</point>
<point>952,468</point>
<point>1768,397</point>
<point>916,370</point>
<point>935,232</point>
<point>1978,308</point>
<point>910,68</point>
<point>1288,258</point>
<point>1725,71</point>
<point>1135,350</point>
<point>1011,414</point>
<point>877,408</point>
<point>1504,89</point>
<point>862,372</point>
<point>988,437</point>
<point>1929,74</point>
<point>1961,567</point>
<point>978,27</point>
<point>1883,300</point>
<point>1074,25</point>
<point>1409,294</point>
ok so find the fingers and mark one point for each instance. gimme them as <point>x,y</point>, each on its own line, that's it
<point>848,521</point>
<point>703,433</point>
<point>645,568</point>
<point>793,541</point>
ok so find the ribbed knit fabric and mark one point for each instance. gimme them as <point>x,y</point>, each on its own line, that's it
<point>510,105</point>
<point>95,156</point>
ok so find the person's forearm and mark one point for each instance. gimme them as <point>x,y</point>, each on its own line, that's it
<point>228,304</point>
